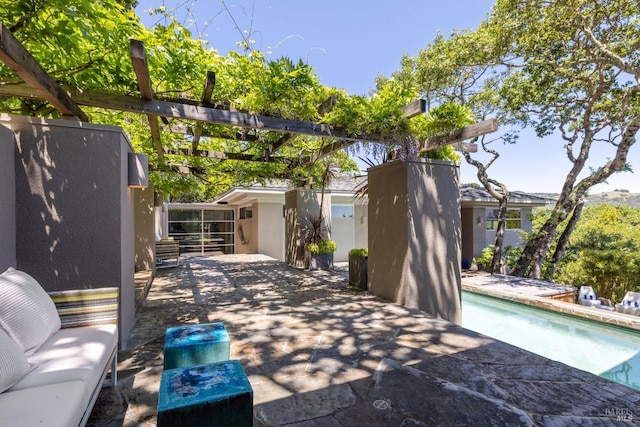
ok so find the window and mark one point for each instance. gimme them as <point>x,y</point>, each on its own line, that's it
<point>202,230</point>
<point>513,219</point>
<point>246,213</point>
<point>341,211</point>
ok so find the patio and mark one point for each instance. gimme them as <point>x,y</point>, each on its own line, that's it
<point>321,353</point>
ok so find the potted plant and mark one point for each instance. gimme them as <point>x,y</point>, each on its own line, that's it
<point>321,254</point>
<point>358,265</point>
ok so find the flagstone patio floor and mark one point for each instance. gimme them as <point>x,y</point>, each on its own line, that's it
<point>319,352</point>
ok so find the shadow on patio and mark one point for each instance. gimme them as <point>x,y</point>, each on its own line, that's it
<point>321,353</point>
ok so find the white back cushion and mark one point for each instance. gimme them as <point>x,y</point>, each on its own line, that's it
<point>13,362</point>
<point>27,313</point>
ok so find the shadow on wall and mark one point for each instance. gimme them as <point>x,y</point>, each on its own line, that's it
<point>415,235</point>
<point>435,240</point>
<point>68,200</point>
<point>299,203</point>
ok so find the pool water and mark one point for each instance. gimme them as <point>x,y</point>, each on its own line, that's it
<point>608,351</point>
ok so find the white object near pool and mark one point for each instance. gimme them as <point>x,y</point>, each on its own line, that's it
<point>608,351</point>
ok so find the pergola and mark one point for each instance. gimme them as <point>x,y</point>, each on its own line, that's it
<point>36,83</point>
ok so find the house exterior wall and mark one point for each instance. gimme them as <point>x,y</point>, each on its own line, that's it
<point>7,200</point>
<point>468,223</point>
<point>74,210</point>
<point>512,237</point>
<point>361,224</point>
<point>270,230</point>
<point>247,240</point>
<point>415,234</point>
<point>144,227</point>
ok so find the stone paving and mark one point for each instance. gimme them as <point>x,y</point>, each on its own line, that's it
<point>321,353</point>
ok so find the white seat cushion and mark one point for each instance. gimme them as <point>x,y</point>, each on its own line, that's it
<point>55,405</point>
<point>27,313</point>
<point>73,354</point>
<point>13,362</point>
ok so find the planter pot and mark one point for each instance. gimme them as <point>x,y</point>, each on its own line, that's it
<point>358,266</point>
<point>321,262</point>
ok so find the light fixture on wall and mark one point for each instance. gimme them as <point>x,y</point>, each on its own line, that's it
<point>158,199</point>
<point>479,220</point>
<point>138,170</point>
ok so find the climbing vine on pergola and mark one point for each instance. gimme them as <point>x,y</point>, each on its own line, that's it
<point>226,120</point>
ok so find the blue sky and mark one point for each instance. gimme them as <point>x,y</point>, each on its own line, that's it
<point>349,43</point>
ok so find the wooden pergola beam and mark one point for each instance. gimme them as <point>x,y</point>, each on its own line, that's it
<point>190,130</point>
<point>282,141</point>
<point>16,57</point>
<point>212,154</point>
<point>414,109</point>
<point>214,116</point>
<point>141,68</point>
<point>209,84</point>
<point>459,135</point>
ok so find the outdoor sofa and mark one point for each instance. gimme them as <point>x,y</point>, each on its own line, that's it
<point>55,351</point>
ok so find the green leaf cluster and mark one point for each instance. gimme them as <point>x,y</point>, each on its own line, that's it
<point>323,247</point>
<point>604,251</point>
<point>359,252</point>
<point>85,44</point>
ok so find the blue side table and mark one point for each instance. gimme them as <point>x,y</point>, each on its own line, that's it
<point>192,345</point>
<point>217,394</point>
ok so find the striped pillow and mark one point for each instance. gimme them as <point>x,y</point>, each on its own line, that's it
<point>13,362</point>
<point>27,313</point>
<point>86,307</point>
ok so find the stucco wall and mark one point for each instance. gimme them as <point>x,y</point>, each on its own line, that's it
<point>361,225</point>
<point>468,224</point>
<point>247,240</point>
<point>301,203</point>
<point>343,233</point>
<point>74,211</point>
<point>415,235</point>
<point>271,230</point>
<point>7,200</point>
<point>144,229</point>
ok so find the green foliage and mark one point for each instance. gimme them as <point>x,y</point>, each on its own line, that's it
<point>447,117</point>
<point>604,252</point>
<point>359,252</point>
<point>510,255</point>
<point>85,44</point>
<point>312,229</point>
<point>322,247</point>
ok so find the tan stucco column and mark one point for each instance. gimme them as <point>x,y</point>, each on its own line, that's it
<point>415,236</point>
<point>300,203</point>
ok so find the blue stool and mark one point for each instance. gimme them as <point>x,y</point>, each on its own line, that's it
<point>217,394</point>
<point>192,345</point>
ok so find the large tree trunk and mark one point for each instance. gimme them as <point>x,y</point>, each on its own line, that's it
<point>503,199</point>
<point>496,262</point>
<point>564,239</point>
<point>536,248</point>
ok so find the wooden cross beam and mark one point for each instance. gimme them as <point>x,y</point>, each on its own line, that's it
<point>141,68</point>
<point>209,84</point>
<point>190,130</point>
<point>414,109</point>
<point>459,135</point>
<point>16,57</point>
<point>212,154</point>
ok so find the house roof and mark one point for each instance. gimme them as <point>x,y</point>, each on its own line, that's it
<point>346,185</point>
<point>472,195</point>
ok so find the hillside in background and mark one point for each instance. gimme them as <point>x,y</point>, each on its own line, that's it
<point>614,198</point>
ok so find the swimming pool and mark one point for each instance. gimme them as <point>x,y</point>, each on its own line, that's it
<point>607,351</point>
